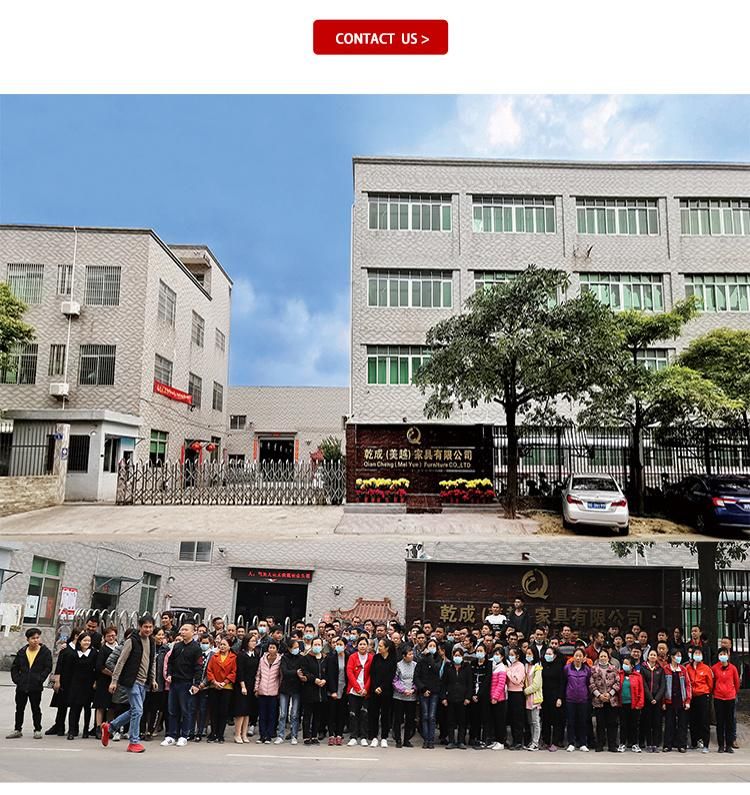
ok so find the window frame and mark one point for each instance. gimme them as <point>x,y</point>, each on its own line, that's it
<point>383,209</point>
<point>26,281</point>
<point>408,285</point>
<point>236,426</point>
<point>150,584</point>
<point>102,354</point>
<point>102,285</point>
<point>616,287</point>
<point>220,393</point>
<point>157,440</point>
<point>24,371</point>
<point>720,288</point>
<point>402,360</point>
<point>616,212</point>
<point>185,555</point>
<point>198,331</point>
<point>714,213</point>
<point>160,368</point>
<point>195,389</point>
<point>166,310</point>
<point>515,211</point>
<point>45,576</point>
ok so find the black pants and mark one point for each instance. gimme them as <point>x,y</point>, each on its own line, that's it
<point>675,727</point>
<point>700,720</point>
<point>154,709</point>
<point>498,713</point>
<point>725,721</point>
<point>441,719</point>
<point>219,704</point>
<point>479,721</point>
<point>34,699</point>
<point>404,713</point>
<point>74,717</point>
<point>381,710</point>
<point>651,721</point>
<point>517,715</point>
<point>312,713</point>
<point>606,726</point>
<point>553,722</point>
<point>630,722</point>
<point>337,709</point>
<point>358,726</point>
<point>455,719</point>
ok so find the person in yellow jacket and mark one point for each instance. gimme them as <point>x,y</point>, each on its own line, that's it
<point>533,692</point>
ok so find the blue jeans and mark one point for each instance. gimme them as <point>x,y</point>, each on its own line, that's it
<point>288,702</point>
<point>429,705</point>
<point>267,706</point>
<point>180,706</point>
<point>201,710</point>
<point>136,696</point>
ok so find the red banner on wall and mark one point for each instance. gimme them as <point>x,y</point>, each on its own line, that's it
<point>172,393</point>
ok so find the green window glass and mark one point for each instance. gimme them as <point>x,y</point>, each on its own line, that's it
<point>382,370</point>
<point>520,225</point>
<point>507,219</point>
<point>37,565</point>
<point>478,227</point>
<point>403,292</point>
<point>403,216</point>
<point>416,293</point>
<point>550,219</point>
<point>426,294</point>
<point>415,216</point>
<point>373,215</point>
<point>446,218</point>
<point>403,368</point>
<point>372,370</point>
<point>581,214</point>
<point>372,291</point>
<point>382,215</point>
<point>447,297</point>
<point>393,284</point>
<point>382,292</point>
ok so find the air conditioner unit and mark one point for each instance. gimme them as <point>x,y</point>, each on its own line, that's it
<point>59,390</point>
<point>71,308</point>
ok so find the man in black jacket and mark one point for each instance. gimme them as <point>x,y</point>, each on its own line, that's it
<point>520,619</point>
<point>31,667</point>
<point>184,673</point>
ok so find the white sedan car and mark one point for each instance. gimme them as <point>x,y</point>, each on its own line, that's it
<point>595,499</point>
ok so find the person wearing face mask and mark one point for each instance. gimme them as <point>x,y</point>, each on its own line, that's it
<point>498,698</point>
<point>726,691</point>
<point>604,687</point>
<point>702,684</point>
<point>245,700</point>
<point>380,708</point>
<point>553,712</point>
<point>427,680</point>
<point>479,708</point>
<point>652,673</point>
<point>516,679</point>
<point>290,693</point>
<point>404,700</point>
<point>576,679</point>
<point>221,674</point>
<point>534,698</point>
<point>313,677</point>
<point>698,641</point>
<point>358,690</point>
<point>456,696</point>
<point>308,637</point>
<point>336,688</point>
<point>677,697</point>
<point>630,701</point>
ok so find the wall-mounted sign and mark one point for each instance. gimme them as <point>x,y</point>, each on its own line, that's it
<point>172,393</point>
<point>68,599</point>
<point>273,575</point>
<point>535,584</point>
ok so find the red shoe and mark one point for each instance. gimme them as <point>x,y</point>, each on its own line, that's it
<point>331,741</point>
<point>135,748</point>
<point>105,734</point>
<point>339,741</point>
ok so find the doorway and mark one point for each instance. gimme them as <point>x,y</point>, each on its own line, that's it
<point>280,600</point>
<point>191,459</point>
<point>279,451</point>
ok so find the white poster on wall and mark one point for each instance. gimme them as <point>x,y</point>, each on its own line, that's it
<point>32,606</point>
<point>68,599</point>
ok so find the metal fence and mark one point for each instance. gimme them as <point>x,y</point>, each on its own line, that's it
<point>211,483</point>
<point>26,449</point>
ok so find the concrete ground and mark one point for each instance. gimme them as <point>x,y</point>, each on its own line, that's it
<point>75,520</point>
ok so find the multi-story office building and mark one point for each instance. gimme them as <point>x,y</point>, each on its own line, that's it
<point>428,232</point>
<point>130,347</point>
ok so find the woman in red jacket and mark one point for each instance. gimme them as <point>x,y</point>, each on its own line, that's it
<point>677,697</point>
<point>726,688</point>
<point>630,699</point>
<point>221,674</point>
<point>358,689</point>
<point>701,683</point>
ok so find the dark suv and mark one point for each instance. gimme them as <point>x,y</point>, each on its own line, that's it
<point>711,502</point>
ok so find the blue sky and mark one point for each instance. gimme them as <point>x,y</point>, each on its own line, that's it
<point>265,181</point>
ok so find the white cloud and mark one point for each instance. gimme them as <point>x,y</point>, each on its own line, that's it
<point>243,297</point>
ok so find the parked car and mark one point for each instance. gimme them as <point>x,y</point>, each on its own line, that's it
<point>711,502</point>
<point>595,499</point>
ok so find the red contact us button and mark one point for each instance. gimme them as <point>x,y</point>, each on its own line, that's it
<point>380,37</point>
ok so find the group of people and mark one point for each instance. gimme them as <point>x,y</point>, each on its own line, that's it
<point>503,685</point>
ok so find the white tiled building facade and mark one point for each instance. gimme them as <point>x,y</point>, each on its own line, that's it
<point>425,232</point>
<point>114,310</point>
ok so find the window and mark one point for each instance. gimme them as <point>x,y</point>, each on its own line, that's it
<point>410,288</point>
<point>162,370</point>
<point>56,360</point>
<point>720,292</point>
<point>195,551</point>
<point>482,278</point>
<point>237,422</point>
<point>97,365</point>
<point>410,211</point>
<point>20,365</point>
<point>41,598</point>
<point>531,214</point>
<point>105,593</point>
<point>25,282</point>
<point>198,331</point>
<point>221,341</point>
<point>389,364</point>
<point>715,216</point>
<point>236,459</point>
<point>64,279</point>
<point>617,216</point>
<point>167,304</point>
<point>195,388</point>
<point>218,402</point>
<point>78,453</point>
<point>111,453</point>
<point>149,590</point>
<point>157,451</point>
<point>626,290</point>
<point>653,358</point>
<point>102,285</point>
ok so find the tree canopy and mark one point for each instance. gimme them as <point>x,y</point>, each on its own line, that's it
<point>13,330</point>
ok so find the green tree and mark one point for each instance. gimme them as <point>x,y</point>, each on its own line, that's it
<point>712,556</point>
<point>517,346</point>
<point>330,447</point>
<point>13,330</point>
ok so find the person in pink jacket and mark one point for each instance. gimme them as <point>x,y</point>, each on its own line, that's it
<point>516,679</point>
<point>267,682</point>
<point>498,698</point>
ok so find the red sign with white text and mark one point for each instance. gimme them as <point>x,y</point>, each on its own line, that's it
<point>172,393</point>
<point>380,37</point>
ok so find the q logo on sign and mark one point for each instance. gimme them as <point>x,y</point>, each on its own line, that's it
<point>414,435</point>
<point>535,584</point>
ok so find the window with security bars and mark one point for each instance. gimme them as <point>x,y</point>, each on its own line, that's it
<point>221,341</point>
<point>195,551</point>
<point>162,370</point>
<point>237,422</point>
<point>26,281</point>
<point>97,365</point>
<point>395,364</point>
<point>102,285</point>
<point>78,453</point>
<point>198,330</point>
<point>621,291</point>
<point>56,360</point>
<point>720,292</point>
<point>167,304</point>
<point>653,358</point>
<point>529,214</point>
<point>617,216</point>
<point>410,289</point>
<point>410,212</point>
<point>195,389</point>
<point>64,279</point>
<point>218,402</point>
<point>157,453</point>
<point>20,364</point>
<point>715,217</point>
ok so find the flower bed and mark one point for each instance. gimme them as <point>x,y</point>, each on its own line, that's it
<point>465,492</point>
<point>382,489</point>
